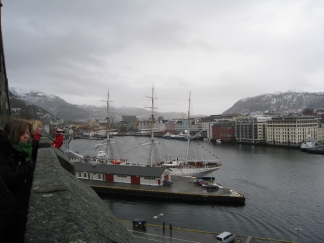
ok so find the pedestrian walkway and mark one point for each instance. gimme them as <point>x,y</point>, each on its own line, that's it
<point>155,233</point>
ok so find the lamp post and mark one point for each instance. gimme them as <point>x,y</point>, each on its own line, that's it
<point>158,218</point>
<point>298,229</point>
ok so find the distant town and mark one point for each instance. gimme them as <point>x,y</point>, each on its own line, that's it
<point>271,128</point>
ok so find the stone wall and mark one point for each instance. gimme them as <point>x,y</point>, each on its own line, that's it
<point>64,209</point>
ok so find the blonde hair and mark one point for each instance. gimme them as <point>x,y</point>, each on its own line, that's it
<point>34,125</point>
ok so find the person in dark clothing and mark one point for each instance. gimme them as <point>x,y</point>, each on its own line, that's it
<point>1,133</point>
<point>9,214</point>
<point>17,164</point>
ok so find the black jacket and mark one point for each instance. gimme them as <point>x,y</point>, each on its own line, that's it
<point>13,168</point>
<point>9,214</point>
<point>18,175</point>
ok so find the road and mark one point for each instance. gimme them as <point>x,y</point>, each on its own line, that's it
<point>153,233</point>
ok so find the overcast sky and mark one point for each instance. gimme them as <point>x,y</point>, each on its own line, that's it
<point>220,51</point>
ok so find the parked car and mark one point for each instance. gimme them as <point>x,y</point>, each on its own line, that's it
<point>139,223</point>
<point>199,180</point>
<point>212,187</point>
<point>202,183</point>
<point>205,184</point>
<point>167,182</point>
<point>225,237</point>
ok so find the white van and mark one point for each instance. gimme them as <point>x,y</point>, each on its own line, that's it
<point>225,237</point>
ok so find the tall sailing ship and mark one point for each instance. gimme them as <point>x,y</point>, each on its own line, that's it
<point>190,165</point>
<point>179,167</point>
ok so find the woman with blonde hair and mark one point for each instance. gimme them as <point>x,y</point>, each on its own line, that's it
<point>36,128</point>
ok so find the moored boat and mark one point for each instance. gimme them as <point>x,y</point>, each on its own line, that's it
<point>310,143</point>
<point>181,136</point>
<point>188,167</point>
<point>168,136</point>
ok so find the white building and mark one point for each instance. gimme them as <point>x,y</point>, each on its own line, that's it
<point>291,130</point>
<point>320,133</point>
<point>208,127</point>
<point>145,125</point>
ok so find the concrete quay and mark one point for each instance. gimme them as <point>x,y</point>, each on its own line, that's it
<point>155,233</point>
<point>182,189</point>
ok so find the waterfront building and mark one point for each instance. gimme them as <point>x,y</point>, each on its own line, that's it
<point>320,133</point>
<point>206,124</point>
<point>251,129</point>
<point>140,175</point>
<point>93,123</point>
<point>170,126</point>
<point>121,127</point>
<point>160,126</point>
<point>129,118</point>
<point>179,126</point>
<point>131,123</point>
<point>224,130</point>
<point>291,130</point>
<point>146,125</point>
<point>195,126</point>
<point>182,126</point>
<point>208,127</point>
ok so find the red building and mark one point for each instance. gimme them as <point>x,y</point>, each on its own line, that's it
<point>224,130</point>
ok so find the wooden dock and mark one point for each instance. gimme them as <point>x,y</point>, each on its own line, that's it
<point>182,189</point>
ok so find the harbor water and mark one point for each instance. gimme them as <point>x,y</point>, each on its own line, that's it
<point>283,189</point>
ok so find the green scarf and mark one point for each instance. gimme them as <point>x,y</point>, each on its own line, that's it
<point>25,148</point>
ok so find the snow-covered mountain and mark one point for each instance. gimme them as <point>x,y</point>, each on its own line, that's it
<point>70,112</point>
<point>279,102</point>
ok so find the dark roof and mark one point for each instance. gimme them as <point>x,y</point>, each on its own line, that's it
<point>119,169</point>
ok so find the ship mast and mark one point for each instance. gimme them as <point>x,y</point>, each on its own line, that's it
<point>152,142</point>
<point>152,126</point>
<point>107,128</point>
<point>188,131</point>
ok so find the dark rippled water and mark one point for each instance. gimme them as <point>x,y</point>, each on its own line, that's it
<point>283,187</point>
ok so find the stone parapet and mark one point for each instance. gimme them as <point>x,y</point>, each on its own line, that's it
<point>64,209</point>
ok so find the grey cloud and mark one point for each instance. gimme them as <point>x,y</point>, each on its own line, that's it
<point>221,51</point>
